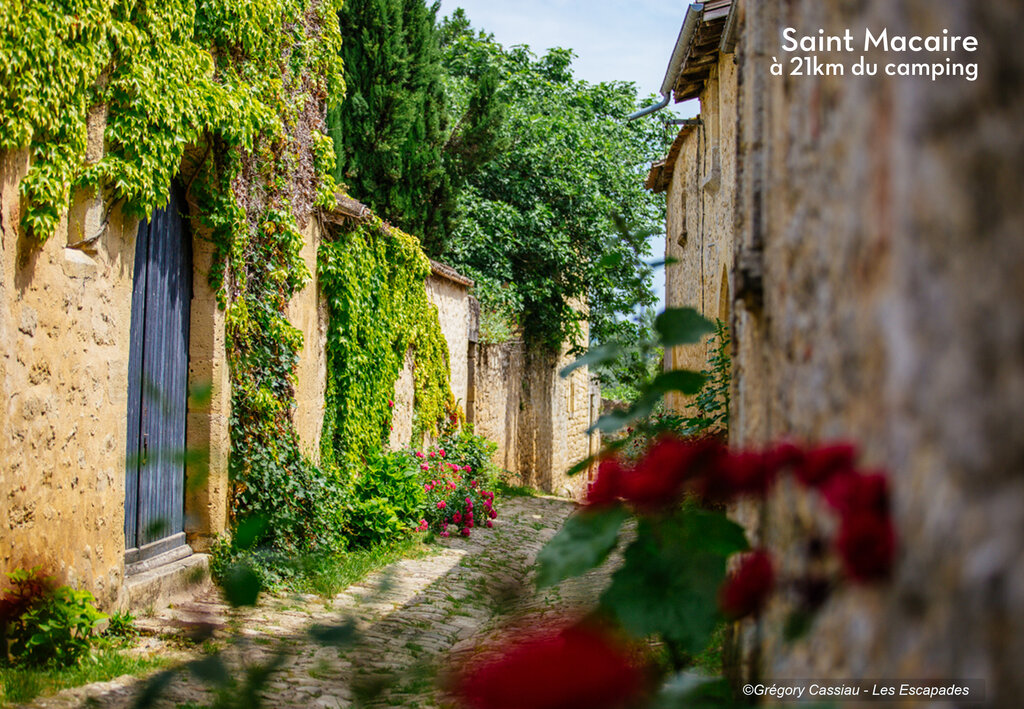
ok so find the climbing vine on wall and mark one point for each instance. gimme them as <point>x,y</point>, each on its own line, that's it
<point>373,276</point>
<point>233,95</point>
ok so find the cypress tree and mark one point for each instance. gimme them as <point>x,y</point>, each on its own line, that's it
<point>389,131</point>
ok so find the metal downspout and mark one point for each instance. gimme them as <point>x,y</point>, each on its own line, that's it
<point>693,13</point>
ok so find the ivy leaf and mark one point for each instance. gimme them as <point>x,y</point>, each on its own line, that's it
<point>582,543</point>
<point>211,670</point>
<point>679,380</point>
<point>682,326</point>
<point>595,356</point>
<point>670,577</point>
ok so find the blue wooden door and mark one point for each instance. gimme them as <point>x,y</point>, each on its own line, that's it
<point>158,385</point>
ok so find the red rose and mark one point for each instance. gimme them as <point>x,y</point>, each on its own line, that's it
<point>820,464</point>
<point>858,493</point>
<point>783,455</point>
<point>657,480</point>
<point>745,473</point>
<point>747,589</point>
<point>605,488</point>
<point>574,668</point>
<point>867,545</point>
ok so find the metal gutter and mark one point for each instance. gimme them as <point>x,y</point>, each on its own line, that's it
<point>693,14</point>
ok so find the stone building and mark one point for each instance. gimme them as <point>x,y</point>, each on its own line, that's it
<point>70,317</point>
<point>874,295</point>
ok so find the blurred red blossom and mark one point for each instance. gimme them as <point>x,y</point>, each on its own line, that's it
<point>579,667</point>
<point>748,587</point>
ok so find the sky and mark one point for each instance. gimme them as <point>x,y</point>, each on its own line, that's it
<point>628,40</point>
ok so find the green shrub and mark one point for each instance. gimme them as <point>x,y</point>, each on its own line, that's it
<point>373,521</point>
<point>121,626</point>
<point>46,625</point>
<point>394,477</point>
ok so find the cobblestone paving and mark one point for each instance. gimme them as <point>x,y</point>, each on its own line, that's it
<point>412,618</point>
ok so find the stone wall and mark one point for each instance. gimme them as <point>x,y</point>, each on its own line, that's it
<point>538,419</point>
<point>448,291</point>
<point>64,324</point>
<point>879,260</point>
<point>308,312</point>
<point>699,216</point>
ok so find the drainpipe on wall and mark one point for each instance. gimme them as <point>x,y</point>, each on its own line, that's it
<point>693,14</point>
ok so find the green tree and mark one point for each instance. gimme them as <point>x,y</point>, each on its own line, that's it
<point>390,131</point>
<point>556,216</point>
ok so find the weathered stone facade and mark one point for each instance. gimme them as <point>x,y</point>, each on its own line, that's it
<point>876,297</point>
<point>64,315</point>
<point>699,176</point>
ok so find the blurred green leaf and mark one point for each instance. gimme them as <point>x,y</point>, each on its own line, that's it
<point>677,380</point>
<point>594,357</point>
<point>669,581</point>
<point>241,585</point>
<point>682,326</point>
<point>582,543</point>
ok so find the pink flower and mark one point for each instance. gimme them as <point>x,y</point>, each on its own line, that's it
<point>457,517</point>
<point>441,505</point>
<point>467,468</point>
<point>444,533</point>
<point>419,454</point>
<point>391,404</point>
<point>490,523</point>
<point>465,531</point>
<point>424,467</point>
<point>492,514</point>
<point>440,452</point>
<point>428,487</point>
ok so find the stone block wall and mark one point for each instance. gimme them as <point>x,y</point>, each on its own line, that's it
<point>64,324</point>
<point>538,419</point>
<point>308,312</point>
<point>449,293</point>
<point>699,216</point>
<point>879,256</point>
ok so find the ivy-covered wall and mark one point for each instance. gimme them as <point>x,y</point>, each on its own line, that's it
<point>373,276</point>
<point>103,103</point>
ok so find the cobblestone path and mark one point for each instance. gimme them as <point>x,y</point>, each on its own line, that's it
<point>411,618</point>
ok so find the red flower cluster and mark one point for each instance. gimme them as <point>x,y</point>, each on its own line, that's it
<point>579,667</point>
<point>671,466</point>
<point>748,587</point>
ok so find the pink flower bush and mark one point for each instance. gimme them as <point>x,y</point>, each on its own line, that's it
<point>453,498</point>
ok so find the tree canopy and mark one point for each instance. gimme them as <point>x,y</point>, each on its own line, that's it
<point>554,225</point>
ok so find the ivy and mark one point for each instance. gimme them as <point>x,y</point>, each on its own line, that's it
<point>232,97</point>
<point>373,276</point>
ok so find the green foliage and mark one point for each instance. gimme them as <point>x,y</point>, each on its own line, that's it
<point>152,67</point>
<point>54,626</point>
<point>393,477</point>
<point>463,447</point>
<point>669,581</point>
<point>390,133</point>
<point>537,214</point>
<point>121,626</point>
<point>20,684</point>
<point>582,543</point>
<point>373,278</point>
<point>372,520</point>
